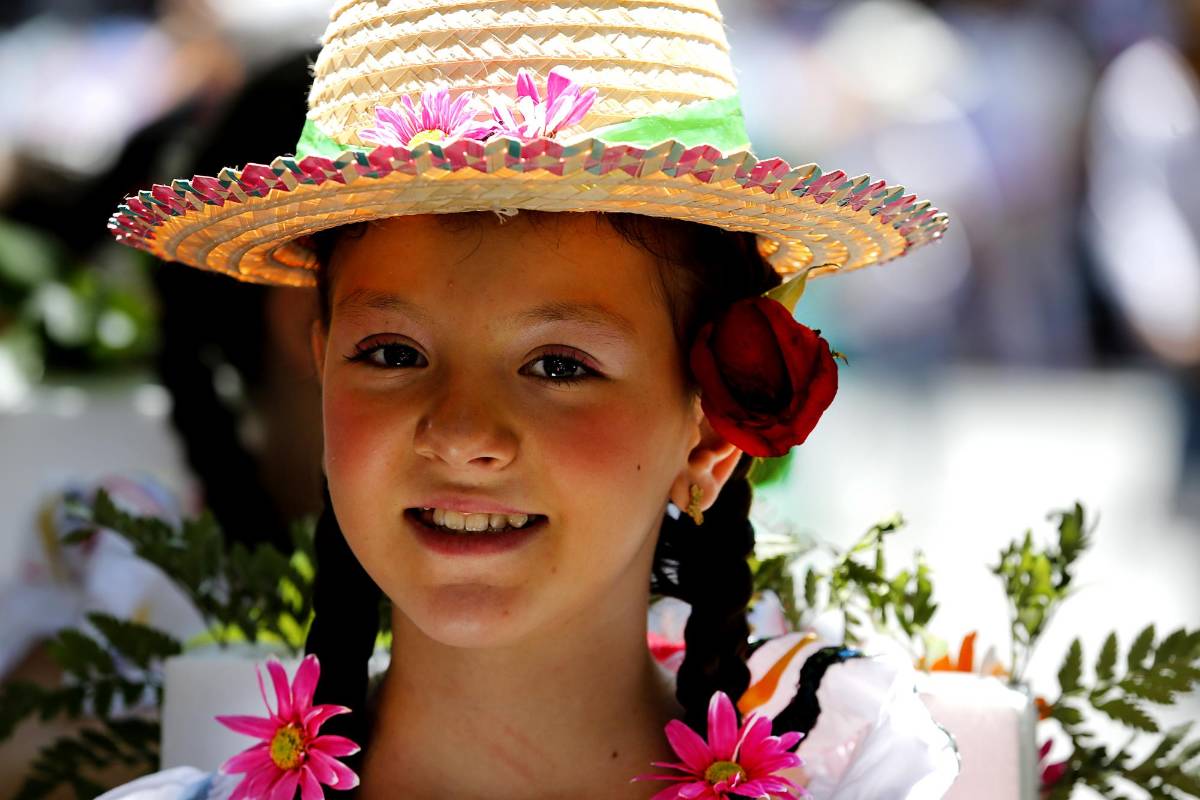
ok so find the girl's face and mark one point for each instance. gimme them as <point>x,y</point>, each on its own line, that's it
<point>528,365</point>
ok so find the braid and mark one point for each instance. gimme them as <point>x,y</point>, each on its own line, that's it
<point>345,624</point>
<point>706,567</point>
<point>191,352</point>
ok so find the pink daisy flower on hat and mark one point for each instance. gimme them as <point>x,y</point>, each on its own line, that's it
<point>733,762</point>
<point>534,116</point>
<point>291,754</point>
<point>435,118</point>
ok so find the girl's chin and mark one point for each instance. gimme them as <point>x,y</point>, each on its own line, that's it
<point>471,615</point>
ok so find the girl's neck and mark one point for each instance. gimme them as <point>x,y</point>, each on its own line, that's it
<point>574,714</point>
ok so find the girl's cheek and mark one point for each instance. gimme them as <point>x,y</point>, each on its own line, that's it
<point>356,428</point>
<point>595,440</point>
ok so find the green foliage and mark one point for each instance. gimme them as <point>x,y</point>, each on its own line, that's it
<point>243,594</point>
<point>858,584</point>
<point>109,674</point>
<point>257,595</point>
<point>1036,581</point>
<point>1152,674</point>
<point>70,315</point>
<point>775,574</point>
<point>74,761</point>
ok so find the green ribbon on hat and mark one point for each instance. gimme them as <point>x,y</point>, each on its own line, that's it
<point>713,122</point>
<point>718,123</point>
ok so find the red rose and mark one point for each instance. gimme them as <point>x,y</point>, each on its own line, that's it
<point>764,378</point>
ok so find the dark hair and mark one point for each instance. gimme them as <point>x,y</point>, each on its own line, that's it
<point>702,269</point>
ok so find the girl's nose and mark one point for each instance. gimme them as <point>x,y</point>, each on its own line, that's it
<point>463,426</point>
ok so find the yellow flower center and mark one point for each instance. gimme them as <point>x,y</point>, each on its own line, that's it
<point>720,770</point>
<point>426,136</point>
<point>287,748</point>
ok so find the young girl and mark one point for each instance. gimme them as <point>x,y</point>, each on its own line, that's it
<point>541,253</point>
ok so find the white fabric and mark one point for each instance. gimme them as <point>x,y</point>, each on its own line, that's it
<point>180,783</point>
<point>875,738</point>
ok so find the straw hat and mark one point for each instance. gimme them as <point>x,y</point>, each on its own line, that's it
<point>662,135</point>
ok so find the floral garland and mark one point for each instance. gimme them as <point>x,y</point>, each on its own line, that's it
<point>290,755</point>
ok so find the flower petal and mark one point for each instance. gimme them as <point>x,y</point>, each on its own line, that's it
<point>283,692</point>
<point>262,690</point>
<point>285,787</point>
<point>583,104</point>
<point>334,745</point>
<point>344,777</point>
<point>242,790</point>
<point>526,86</point>
<point>317,716</point>
<point>259,727</point>
<point>788,740</point>
<point>503,115</point>
<point>558,111</point>
<point>255,758</point>
<point>259,783</point>
<point>670,793</point>
<point>722,727</point>
<point>766,786</point>
<point>558,83</point>
<point>698,791</point>
<point>771,764</point>
<point>754,732</point>
<point>321,770</point>
<point>304,684</point>
<point>689,746</point>
<point>310,787</point>
<point>664,778</point>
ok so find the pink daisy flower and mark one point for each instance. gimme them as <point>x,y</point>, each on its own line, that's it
<point>534,116</point>
<point>732,761</point>
<point>437,118</point>
<point>291,754</point>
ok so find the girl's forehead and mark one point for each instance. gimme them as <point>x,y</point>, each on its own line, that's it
<point>544,257</point>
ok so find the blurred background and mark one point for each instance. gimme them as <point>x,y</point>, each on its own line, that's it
<point>1047,350</point>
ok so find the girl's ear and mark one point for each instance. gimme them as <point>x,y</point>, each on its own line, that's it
<point>711,461</point>
<point>318,340</point>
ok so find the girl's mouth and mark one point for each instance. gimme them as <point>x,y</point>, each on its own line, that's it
<point>502,533</point>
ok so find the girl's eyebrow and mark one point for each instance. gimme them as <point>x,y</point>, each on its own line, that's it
<point>590,314</point>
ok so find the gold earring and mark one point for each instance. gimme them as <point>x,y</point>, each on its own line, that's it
<point>693,509</point>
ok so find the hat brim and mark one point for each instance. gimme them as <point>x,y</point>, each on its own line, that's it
<point>246,223</point>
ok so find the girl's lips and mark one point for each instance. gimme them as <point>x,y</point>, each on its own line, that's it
<point>469,543</point>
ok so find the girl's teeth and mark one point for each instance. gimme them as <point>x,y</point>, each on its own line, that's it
<point>457,520</point>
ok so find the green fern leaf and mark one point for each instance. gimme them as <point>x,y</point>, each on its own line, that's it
<point>141,644</point>
<point>1129,713</point>
<point>1108,658</point>
<point>1072,667</point>
<point>1140,649</point>
<point>1069,716</point>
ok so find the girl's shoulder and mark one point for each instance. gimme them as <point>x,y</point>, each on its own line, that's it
<point>178,783</point>
<point>868,734</point>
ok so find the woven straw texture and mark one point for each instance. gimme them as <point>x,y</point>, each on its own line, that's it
<point>645,58</point>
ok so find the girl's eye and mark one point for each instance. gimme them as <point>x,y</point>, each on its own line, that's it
<point>557,368</point>
<point>561,368</point>
<point>386,355</point>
